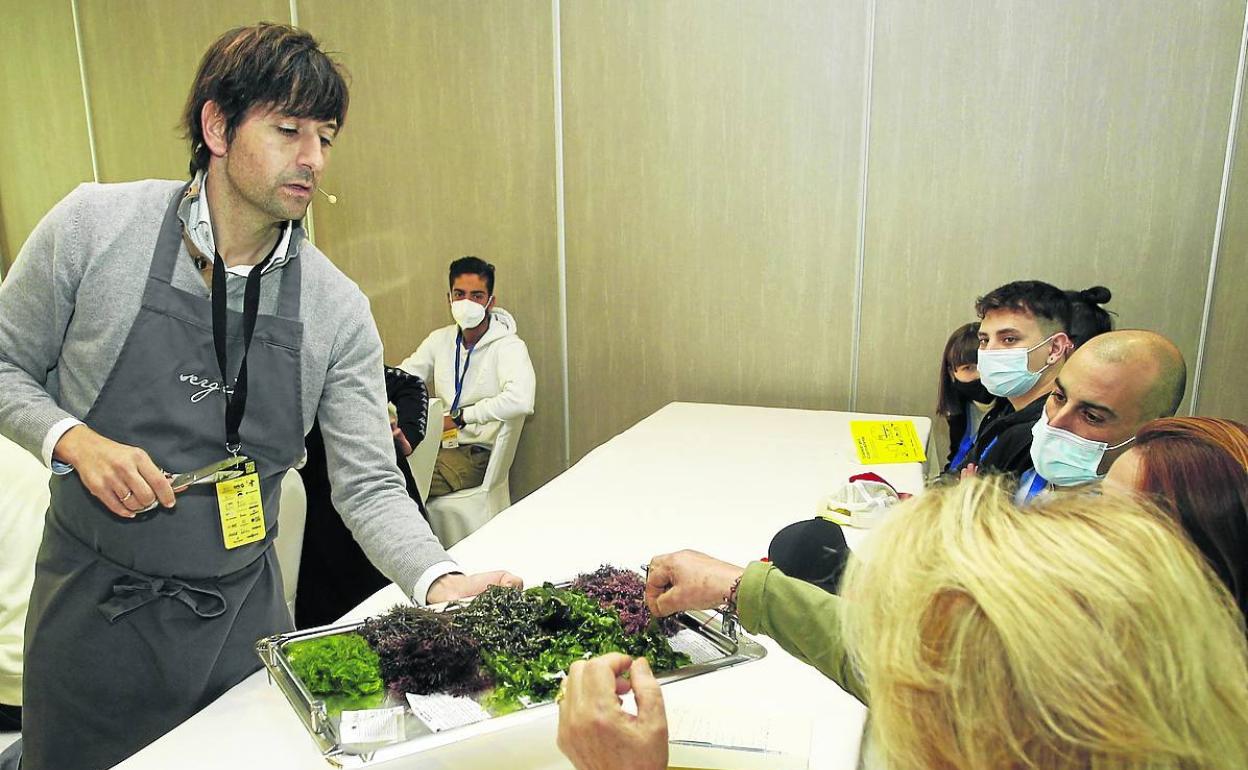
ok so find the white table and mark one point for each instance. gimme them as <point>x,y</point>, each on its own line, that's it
<point>722,479</point>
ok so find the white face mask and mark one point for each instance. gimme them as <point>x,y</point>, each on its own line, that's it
<point>1005,373</point>
<point>1065,459</point>
<point>467,314</point>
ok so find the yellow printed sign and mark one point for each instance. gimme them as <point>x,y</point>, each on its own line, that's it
<point>886,441</point>
<point>242,514</point>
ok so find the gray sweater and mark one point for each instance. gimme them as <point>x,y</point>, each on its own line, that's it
<point>66,308</point>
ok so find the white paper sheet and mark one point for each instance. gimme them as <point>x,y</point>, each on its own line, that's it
<point>372,725</point>
<point>728,738</point>
<point>442,712</point>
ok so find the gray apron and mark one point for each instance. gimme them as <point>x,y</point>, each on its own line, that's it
<point>136,624</point>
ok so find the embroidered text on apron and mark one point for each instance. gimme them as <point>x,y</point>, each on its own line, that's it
<point>134,625</point>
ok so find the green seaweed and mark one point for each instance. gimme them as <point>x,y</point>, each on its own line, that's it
<point>574,627</point>
<point>521,642</point>
<point>341,669</point>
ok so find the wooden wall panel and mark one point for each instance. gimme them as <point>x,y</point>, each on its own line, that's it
<point>1079,142</point>
<point>449,150</point>
<point>712,187</point>
<point>141,57</point>
<point>45,151</point>
<point>712,175</point>
<point>1223,389</point>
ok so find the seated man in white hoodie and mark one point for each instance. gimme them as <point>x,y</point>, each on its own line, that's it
<point>481,371</point>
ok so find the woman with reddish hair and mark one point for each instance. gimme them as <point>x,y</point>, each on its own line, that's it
<point>1197,469</point>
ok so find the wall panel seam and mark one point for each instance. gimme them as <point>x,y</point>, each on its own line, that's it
<point>1220,219</point>
<point>86,94</point>
<point>560,232</point>
<point>860,260</point>
<point>309,219</point>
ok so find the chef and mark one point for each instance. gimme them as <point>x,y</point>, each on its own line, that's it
<point>157,327</point>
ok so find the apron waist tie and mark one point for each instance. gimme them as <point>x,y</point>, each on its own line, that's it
<point>131,592</point>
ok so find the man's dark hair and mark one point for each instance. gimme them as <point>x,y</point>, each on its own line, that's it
<point>472,266</point>
<point>1044,302</point>
<point>268,66</point>
<point>1087,317</point>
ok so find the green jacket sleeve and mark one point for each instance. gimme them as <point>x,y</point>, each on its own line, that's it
<point>804,619</point>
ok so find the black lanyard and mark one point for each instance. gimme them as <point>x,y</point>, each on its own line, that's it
<point>236,396</point>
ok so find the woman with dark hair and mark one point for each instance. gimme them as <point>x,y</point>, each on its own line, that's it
<point>1197,469</point>
<point>1087,317</point>
<point>961,398</point>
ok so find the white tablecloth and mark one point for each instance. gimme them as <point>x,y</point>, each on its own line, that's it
<point>721,479</point>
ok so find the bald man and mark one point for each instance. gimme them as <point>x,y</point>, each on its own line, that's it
<point>1108,389</point>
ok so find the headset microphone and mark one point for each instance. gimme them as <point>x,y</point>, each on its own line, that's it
<point>332,198</point>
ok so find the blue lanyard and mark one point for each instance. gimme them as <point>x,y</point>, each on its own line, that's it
<point>1030,485</point>
<point>460,377</point>
<point>968,440</point>
<point>987,449</point>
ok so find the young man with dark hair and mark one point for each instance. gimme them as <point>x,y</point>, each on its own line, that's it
<point>158,327</point>
<point>1023,341</point>
<point>480,368</point>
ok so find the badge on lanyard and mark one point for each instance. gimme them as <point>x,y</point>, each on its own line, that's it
<point>241,508</point>
<point>450,436</point>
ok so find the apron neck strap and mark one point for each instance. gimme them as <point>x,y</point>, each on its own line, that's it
<point>288,294</point>
<point>165,256</point>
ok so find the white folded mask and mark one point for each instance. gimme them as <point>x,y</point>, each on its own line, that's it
<point>860,503</point>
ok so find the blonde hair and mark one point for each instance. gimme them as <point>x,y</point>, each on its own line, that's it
<point>1083,632</point>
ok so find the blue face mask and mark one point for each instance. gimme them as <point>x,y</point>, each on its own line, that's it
<point>1005,373</point>
<point>1065,459</point>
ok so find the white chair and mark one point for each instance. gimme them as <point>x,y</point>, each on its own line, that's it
<point>291,520</point>
<point>23,505</point>
<point>425,454</point>
<point>457,515</point>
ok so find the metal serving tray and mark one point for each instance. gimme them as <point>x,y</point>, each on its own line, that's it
<point>702,629</point>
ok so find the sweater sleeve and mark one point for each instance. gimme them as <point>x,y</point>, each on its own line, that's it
<point>517,387</point>
<point>368,490</point>
<point>804,619</point>
<point>36,304</point>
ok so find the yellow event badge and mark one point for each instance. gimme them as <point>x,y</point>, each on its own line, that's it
<point>886,441</point>
<point>242,513</point>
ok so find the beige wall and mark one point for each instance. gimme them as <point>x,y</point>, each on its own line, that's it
<point>449,150</point>
<point>1223,387</point>
<point>44,151</point>
<point>713,166</point>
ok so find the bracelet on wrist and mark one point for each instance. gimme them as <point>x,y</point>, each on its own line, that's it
<point>730,601</point>
<point>728,611</point>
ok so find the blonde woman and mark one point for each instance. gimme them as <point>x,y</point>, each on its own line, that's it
<point>1084,632</point>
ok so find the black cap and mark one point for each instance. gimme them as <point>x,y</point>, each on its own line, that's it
<point>814,551</point>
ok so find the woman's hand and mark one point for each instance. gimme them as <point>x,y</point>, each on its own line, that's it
<point>595,732</point>
<point>688,580</point>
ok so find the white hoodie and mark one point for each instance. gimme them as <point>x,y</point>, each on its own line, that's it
<point>499,384</point>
